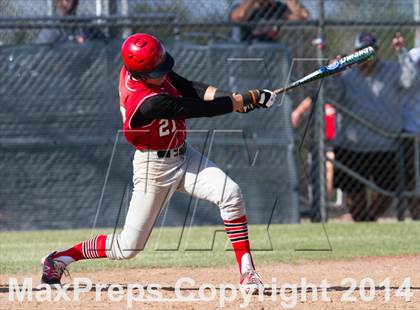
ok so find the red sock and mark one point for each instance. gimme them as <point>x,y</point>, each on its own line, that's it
<point>237,232</point>
<point>92,248</point>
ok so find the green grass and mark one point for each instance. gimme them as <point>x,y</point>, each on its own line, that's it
<point>21,251</point>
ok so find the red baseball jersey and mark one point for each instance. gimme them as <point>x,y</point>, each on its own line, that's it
<point>160,134</point>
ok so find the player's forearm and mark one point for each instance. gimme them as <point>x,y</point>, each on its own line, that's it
<point>210,93</point>
<point>166,107</point>
<point>196,89</point>
<point>213,92</point>
<point>200,108</point>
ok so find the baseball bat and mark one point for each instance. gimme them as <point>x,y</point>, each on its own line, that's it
<point>337,66</point>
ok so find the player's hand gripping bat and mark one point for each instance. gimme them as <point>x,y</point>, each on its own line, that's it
<point>335,67</point>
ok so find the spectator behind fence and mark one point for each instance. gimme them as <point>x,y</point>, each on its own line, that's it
<point>330,118</point>
<point>411,116</point>
<point>68,34</point>
<point>263,11</point>
<point>370,92</point>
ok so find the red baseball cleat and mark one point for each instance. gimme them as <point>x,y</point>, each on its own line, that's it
<point>251,282</point>
<point>52,270</point>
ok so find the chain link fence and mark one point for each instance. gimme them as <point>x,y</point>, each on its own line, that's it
<point>360,157</point>
<point>61,117</point>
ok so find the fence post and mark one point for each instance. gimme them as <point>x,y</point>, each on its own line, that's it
<point>51,8</point>
<point>319,208</point>
<point>401,202</point>
<point>112,11</point>
<point>124,12</point>
<point>98,7</point>
<point>416,16</point>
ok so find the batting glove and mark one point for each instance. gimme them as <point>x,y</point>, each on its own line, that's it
<point>261,98</point>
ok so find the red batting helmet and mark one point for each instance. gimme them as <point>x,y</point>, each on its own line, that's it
<point>145,56</point>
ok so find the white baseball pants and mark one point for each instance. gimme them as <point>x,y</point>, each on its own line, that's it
<point>156,180</point>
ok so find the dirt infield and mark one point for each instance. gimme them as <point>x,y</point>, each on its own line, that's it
<point>334,272</point>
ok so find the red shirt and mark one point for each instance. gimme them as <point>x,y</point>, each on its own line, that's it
<point>160,134</point>
<point>329,121</point>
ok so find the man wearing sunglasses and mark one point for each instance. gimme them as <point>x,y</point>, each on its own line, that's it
<point>154,103</point>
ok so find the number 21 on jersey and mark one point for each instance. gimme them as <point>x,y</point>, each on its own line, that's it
<point>166,127</point>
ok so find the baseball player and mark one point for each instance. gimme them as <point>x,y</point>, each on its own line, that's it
<point>155,103</point>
